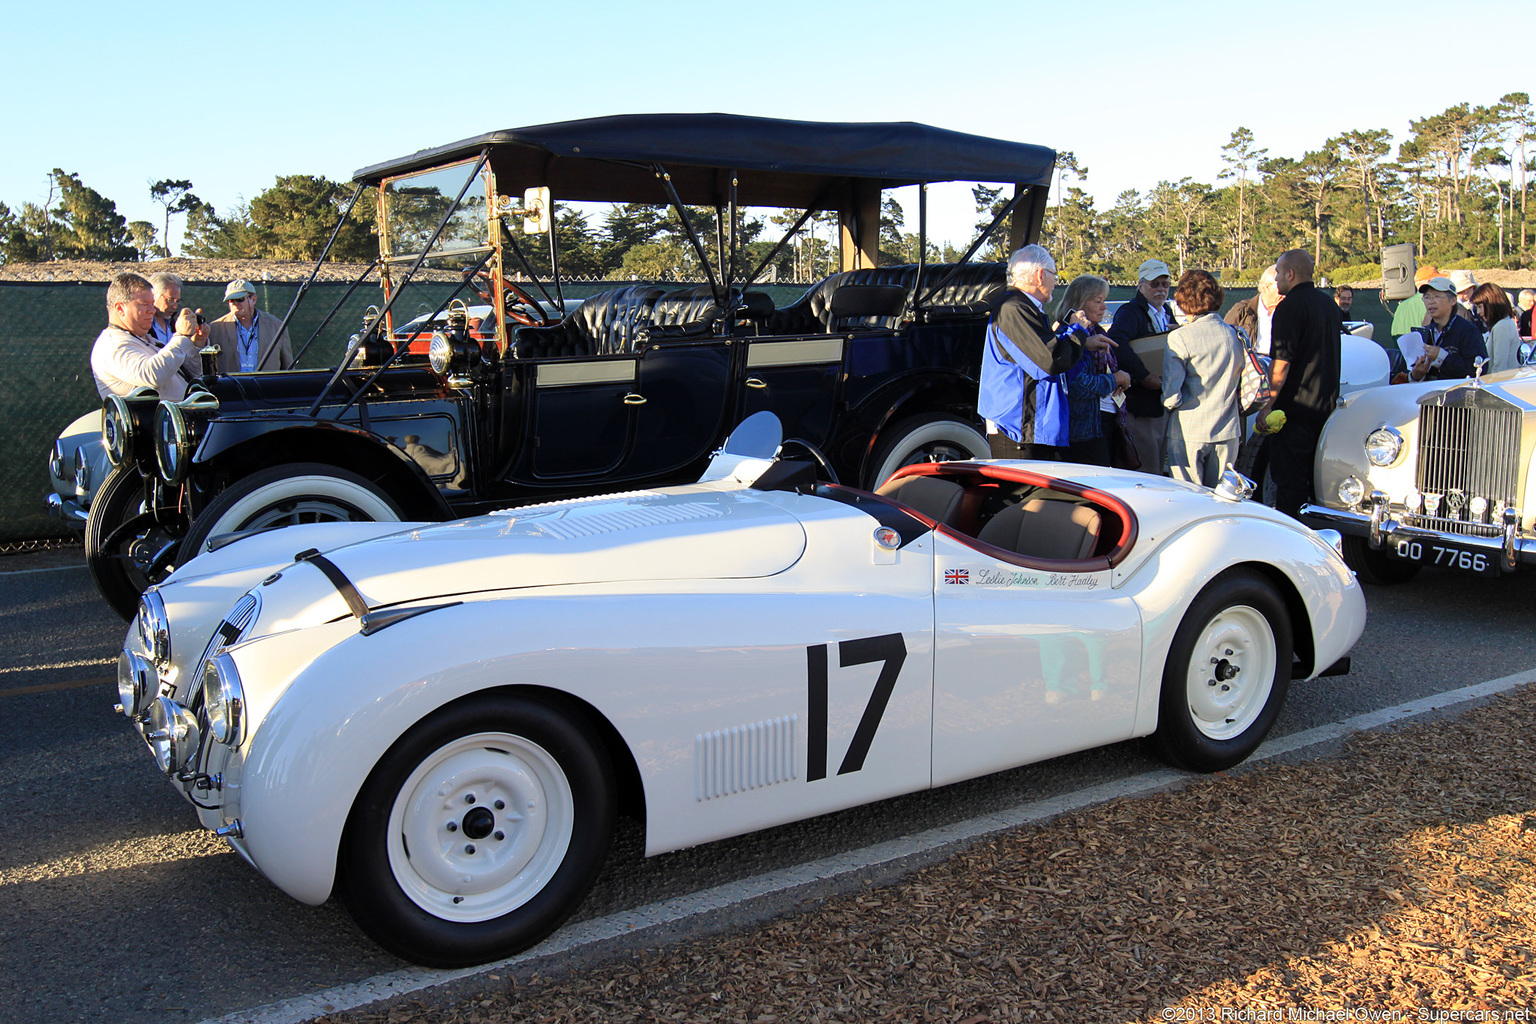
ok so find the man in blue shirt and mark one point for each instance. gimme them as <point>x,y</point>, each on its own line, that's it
<point>1024,366</point>
<point>247,338</point>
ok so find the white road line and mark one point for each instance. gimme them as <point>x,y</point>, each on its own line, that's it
<point>56,568</point>
<point>924,847</point>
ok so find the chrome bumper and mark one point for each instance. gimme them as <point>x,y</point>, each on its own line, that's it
<point>1374,522</point>
<point>67,511</point>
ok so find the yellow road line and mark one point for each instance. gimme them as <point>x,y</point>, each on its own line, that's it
<point>70,684</point>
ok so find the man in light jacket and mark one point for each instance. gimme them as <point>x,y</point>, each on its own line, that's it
<point>247,338</point>
<point>125,358</point>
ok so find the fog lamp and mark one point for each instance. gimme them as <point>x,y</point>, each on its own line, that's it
<point>1351,490</point>
<point>172,735</point>
<point>136,681</point>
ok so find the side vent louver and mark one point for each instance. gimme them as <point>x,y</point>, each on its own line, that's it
<point>746,757</point>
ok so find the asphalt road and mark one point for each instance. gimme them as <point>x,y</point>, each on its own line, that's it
<point>116,907</point>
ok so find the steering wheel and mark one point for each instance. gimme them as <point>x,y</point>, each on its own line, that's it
<point>482,286</point>
<point>513,291</point>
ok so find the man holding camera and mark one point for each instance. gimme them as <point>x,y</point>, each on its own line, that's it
<point>124,356</point>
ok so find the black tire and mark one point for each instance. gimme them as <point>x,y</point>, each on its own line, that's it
<point>1211,716</point>
<point>304,492</point>
<point>123,566</point>
<point>931,437</point>
<point>1379,568</point>
<point>514,750</point>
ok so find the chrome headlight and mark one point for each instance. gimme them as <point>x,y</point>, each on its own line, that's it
<point>82,473</point>
<point>224,700</point>
<point>178,428</point>
<point>155,628</point>
<point>116,430</point>
<point>136,684</point>
<point>126,426</point>
<point>172,735</point>
<point>440,353</point>
<point>173,442</point>
<point>56,460</point>
<point>1351,490</point>
<point>1383,446</point>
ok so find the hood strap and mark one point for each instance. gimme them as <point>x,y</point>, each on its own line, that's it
<point>344,587</point>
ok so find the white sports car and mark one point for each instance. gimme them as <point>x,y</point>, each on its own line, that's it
<point>440,721</point>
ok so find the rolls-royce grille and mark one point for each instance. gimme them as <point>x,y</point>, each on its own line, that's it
<point>1466,453</point>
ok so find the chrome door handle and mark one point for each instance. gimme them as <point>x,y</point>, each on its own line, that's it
<point>634,399</point>
<point>753,382</point>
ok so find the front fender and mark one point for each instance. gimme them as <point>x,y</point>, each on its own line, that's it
<point>1320,584</point>
<point>253,444</point>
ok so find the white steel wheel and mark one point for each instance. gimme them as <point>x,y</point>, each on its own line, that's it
<point>288,496</point>
<point>480,827</point>
<point>1227,673</point>
<point>1229,678</point>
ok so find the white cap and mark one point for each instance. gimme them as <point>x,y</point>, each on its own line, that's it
<point>1151,270</point>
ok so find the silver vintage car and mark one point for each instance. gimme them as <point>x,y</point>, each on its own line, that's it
<point>1432,473</point>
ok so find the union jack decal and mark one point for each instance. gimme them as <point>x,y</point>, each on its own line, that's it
<point>957,575</point>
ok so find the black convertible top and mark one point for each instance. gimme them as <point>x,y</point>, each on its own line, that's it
<point>778,162</point>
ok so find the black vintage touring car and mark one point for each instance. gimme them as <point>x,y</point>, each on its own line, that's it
<point>871,369</point>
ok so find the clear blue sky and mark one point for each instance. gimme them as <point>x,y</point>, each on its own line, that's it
<point>230,98</point>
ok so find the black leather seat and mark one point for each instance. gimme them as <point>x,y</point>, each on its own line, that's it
<point>604,324</point>
<point>938,499</point>
<point>967,289</point>
<point>1045,528</point>
<point>685,307</point>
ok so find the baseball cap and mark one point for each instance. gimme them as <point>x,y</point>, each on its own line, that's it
<point>1151,270</point>
<point>239,290</point>
<point>1439,284</point>
<point>1463,280</point>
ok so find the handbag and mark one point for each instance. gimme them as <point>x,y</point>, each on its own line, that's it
<point>1122,449</point>
<point>1253,387</point>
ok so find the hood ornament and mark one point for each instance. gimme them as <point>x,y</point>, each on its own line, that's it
<point>1477,371</point>
<point>1233,485</point>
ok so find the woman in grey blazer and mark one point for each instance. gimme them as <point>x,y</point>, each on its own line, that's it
<point>1202,370</point>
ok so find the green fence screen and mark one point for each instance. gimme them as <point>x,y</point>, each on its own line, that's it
<point>46,332</point>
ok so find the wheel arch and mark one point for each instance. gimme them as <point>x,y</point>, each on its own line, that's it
<point>1303,643</point>
<point>337,445</point>
<point>631,790</point>
<point>1320,594</point>
<point>947,392</point>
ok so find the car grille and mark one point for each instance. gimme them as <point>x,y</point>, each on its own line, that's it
<point>1467,451</point>
<point>229,633</point>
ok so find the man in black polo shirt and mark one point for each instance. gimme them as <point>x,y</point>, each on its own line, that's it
<point>1304,377</point>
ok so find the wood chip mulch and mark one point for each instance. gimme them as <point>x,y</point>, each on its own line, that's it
<point>1397,875</point>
